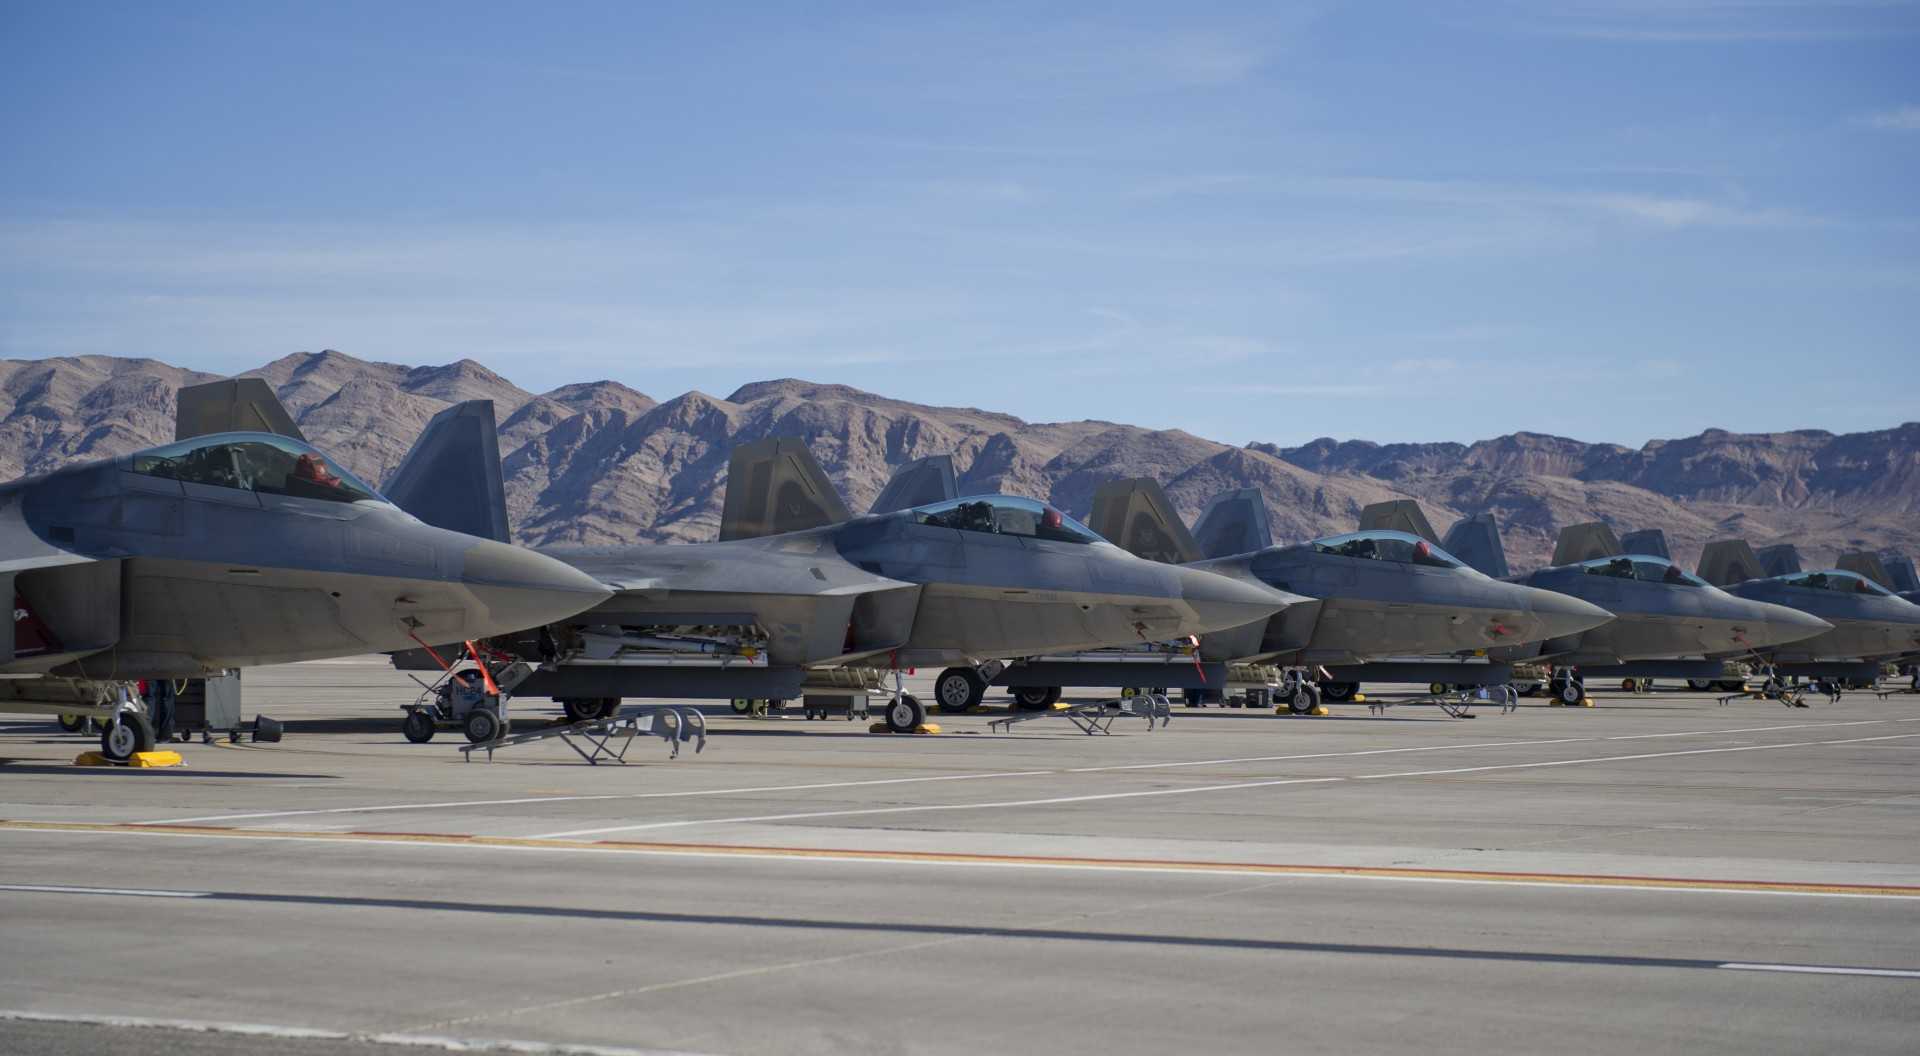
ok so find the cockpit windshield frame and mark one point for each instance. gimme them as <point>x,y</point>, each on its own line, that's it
<point>1837,581</point>
<point>1387,545</point>
<point>1642,568</point>
<point>262,463</point>
<point>1011,515</point>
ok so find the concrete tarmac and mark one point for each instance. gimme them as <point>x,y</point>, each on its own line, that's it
<point>1656,874</point>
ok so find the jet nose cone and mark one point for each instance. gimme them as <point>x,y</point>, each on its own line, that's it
<point>1221,602</point>
<point>518,589</point>
<point>1779,625</point>
<point>1561,615</point>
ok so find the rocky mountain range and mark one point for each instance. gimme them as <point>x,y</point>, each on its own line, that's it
<point>598,462</point>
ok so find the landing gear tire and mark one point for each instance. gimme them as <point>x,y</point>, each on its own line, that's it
<point>905,714</point>
<point>1035,698</point>
<point>73,723</point>
<point>1339,691</point>
<point>1302,700</point>
<point>126,734</point>
<point>417,727</point>
<point>958,690</point>
<point>1571,692</point>
<point>482,726</point>
<point>588,709</point>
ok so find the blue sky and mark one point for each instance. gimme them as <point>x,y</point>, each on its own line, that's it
<point>1429,221</point>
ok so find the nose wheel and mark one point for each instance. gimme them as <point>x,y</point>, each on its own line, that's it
<point>127,734</point>
<point>905,714</point>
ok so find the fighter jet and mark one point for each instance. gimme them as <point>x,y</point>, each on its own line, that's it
<point>797,588</point>
<point>1867,623</point>
<point>1380,592</point>
<point>1667,623</point>
<point>230,549</point>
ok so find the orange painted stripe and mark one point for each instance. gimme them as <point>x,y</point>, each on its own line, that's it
<point>957,858</point>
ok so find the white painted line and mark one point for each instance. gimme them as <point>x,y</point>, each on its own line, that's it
<point>1825,969</point>
<point>1627,758</point>
<point>1055,800</point>
<point>575,799</point>
<point>928,807</point>
<point>991,775</point>
<point>263,1030</point>
<point>137,892</point>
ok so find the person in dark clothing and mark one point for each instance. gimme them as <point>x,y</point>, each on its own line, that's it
<point>160,697</point>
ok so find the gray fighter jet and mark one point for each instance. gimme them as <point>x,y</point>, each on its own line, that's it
<point>1667,623</point>
<point>1377,593</point>
<point>233,549</point>
<point>797,589</point>
<point>1868,623</point>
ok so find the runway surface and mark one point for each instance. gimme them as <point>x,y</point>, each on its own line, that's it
<point>1657,874</point>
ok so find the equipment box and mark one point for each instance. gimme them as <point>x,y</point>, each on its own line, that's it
<point>207,706</point>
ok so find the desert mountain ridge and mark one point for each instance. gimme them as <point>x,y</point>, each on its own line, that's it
<point>600,463</point>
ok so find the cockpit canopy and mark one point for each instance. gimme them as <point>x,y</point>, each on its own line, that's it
<point>1005,515</point>
<point>259,462</point>
<point>1840,582</point>
<point>1403,547</point>
<point>1641,567</point>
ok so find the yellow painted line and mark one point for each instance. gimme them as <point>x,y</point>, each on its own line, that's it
<point>1157,865</point>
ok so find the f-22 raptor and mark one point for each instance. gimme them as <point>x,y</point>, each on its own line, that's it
<point>797,589</point>
<point>239,544</point>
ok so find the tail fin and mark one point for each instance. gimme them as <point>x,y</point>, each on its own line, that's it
<point>1136,516</point>
<point>1398,515</point>
<point>1780,559</point>
<point>451,477</point>
<point>917,483</point>
<point>1584,542</point>
<point>1900,570</point>
<point>775,486</point>
<point>1476,540</point>
<point>1649,541</point>
<point>232,405</point>
<point>1234,523</point>
<point>1725,562</point>
<point>1867,564</point>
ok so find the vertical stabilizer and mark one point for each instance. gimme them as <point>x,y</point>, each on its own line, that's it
<point>1136,516</point>
<point>451,478</point>
<point>1649,541</point>
<point>775,486</point>
<point>918,483</point>
<point>1234,523</point>
<point>1725,562</point>
<point>1900,571</point>
<point>1780,559</point>
<point>1584,542</point>
<point>1398,515</point>
<point>1476,540</point>
<point>1866,564</point>
<point>230,406</point>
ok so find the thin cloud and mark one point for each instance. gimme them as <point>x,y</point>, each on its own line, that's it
<point>1899,119</point>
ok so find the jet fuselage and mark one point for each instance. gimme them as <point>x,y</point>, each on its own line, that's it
<point>213,553</point>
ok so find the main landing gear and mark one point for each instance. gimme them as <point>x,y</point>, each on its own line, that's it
<point>959,690</point>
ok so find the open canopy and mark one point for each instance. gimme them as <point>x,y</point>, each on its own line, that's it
<point>259,462</point>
